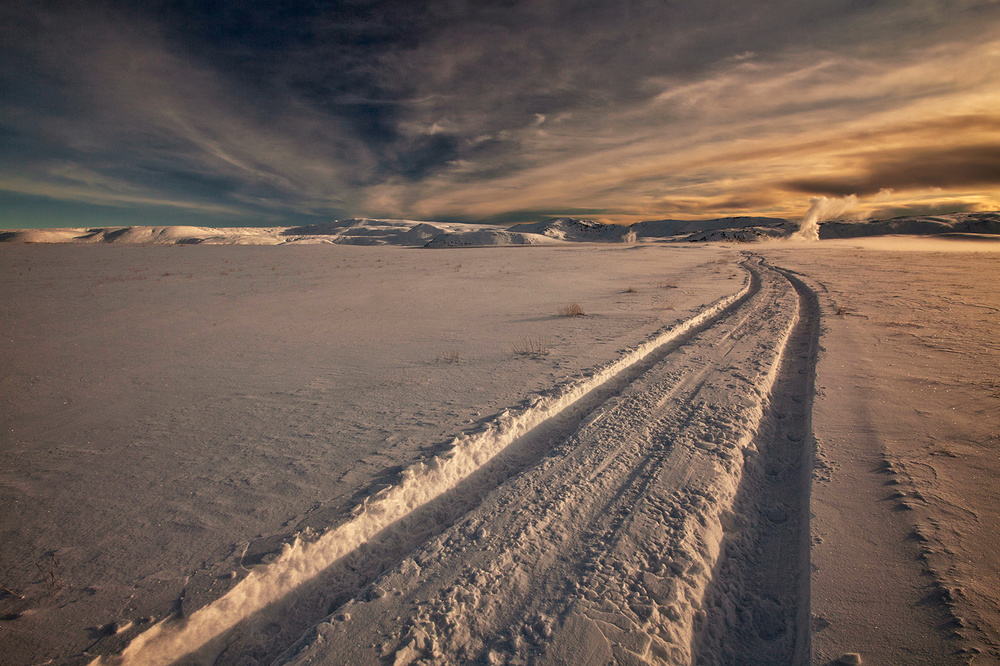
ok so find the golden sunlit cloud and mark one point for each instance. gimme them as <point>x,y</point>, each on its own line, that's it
<point>759,139</point>
<point>537,110</point>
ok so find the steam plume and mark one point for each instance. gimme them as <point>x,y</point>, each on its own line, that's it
<point>823,208</point>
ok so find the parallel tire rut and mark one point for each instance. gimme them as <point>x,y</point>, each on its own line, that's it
<point>606,548</point>
<point>757,605</point>
<point>614,526</point>
<point>263,631</point>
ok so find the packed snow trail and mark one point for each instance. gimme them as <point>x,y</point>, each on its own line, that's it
<point>202,635</point>
<point>608,549</point>
<point>586,524</point>
<point>757,608</point>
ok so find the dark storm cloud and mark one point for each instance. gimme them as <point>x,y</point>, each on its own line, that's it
<point>913,169</point>
<point>289,109</point>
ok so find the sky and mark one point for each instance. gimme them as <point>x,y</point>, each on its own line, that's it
<point>283,113</point>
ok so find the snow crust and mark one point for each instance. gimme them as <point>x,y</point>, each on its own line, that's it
<point>175,414</point>
<point>303,560</point>
<point>233,454</point>
<point>643,601</point>
<point>904,486</point>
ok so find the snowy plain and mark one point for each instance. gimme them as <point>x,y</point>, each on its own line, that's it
<point>187,427</point>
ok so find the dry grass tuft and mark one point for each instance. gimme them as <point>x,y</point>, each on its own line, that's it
<point>4,590</point>
<point>571,310</point>
<point>529,346</point>
<point>450,356</point>
<point>50,574</point>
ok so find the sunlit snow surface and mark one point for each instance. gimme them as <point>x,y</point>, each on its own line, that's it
<point>181,422</point>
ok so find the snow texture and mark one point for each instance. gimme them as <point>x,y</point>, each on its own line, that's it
<point>696,471</point>
<point>304,560</point>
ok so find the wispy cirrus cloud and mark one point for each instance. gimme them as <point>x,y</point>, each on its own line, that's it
<point>88,193</point>
<point>739,140</point>
<point>171,132</point>
<point>635,110</point>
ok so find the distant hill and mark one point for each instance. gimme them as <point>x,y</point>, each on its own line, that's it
<point>572,229</point>
<point>412,233</point>
<point>920,225</point>
<point>674,228</point>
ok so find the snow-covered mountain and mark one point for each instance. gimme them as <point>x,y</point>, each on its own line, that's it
<point>413,233</point>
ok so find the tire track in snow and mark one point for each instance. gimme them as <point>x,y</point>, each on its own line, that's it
<point>757,608</point>
<point>606,549</point>
<point>304,560</point>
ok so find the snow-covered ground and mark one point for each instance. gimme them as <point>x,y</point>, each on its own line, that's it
<point>331,454</point>
<point>905,499</point>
